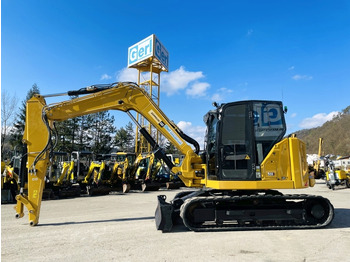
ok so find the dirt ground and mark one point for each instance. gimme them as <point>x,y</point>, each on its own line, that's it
<point>121,227</point>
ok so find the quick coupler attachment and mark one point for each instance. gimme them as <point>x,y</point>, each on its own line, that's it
<point>164,214</point>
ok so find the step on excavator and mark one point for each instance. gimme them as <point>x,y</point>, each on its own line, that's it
<point>236,178</point>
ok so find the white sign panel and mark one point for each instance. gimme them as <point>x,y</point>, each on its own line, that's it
<point>146,48</point>
<point>140,51</point>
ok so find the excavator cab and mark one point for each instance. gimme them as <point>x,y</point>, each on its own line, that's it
<point>239,137</point>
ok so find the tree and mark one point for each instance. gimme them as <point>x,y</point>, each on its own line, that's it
<point>8,105</point>
<point>346,111</point>
<point>18,131</point>
<point>101,132</point>
<point>124,138</point>
<point>73,134</point>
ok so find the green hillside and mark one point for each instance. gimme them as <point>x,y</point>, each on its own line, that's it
<point>335,134</point>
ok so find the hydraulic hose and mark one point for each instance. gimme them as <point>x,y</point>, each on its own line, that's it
<point>191,141</point>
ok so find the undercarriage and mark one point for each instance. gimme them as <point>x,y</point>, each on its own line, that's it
<point>215,210</point>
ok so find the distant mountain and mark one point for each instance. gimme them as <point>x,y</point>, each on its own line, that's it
<point>335,134</point>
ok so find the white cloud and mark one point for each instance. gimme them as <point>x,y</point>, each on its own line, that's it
<point>301,77</point>
<point>217,97</point>
<point>198,89</point>
<point>291,68</point>
<point>221,94</point>
<point>293,115</point>
<point>195,132</point>
<point>105,77</point>
<point>250,32</point>
<point>172,82</point>
<point>178,80</point>
<point>317,120</point>
<point>127,75</point>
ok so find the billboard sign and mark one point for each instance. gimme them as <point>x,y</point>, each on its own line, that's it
<point>146,48</point>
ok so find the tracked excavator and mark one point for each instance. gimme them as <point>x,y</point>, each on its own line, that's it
<point>235,180</point>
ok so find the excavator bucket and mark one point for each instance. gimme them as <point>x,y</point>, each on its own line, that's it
<point>126,187</point>
<point>164,215</point>
<point>150,186</point>
<point>173,185</point>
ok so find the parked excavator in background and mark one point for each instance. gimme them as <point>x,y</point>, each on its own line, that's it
<point>58,183</point>
<point>236,177</point>
<point>123,165</point>
<point>10,179</point>
<point>144,172</point>
<point>66,174</point>
<point>96,181</point>
<point>316,168</point>
<point>9,183</point>
<point>60,162</point>
<point>174,182</point>
<point>335,177</point>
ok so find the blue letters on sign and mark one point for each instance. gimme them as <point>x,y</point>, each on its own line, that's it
<point>140,51</point>
<point>162,54</point>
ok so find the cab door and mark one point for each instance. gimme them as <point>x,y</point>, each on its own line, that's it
<point>236,145</point>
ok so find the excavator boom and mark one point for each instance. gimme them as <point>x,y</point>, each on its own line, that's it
<point>39,132</point>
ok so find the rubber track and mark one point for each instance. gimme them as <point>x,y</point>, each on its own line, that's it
<point>233,227</point>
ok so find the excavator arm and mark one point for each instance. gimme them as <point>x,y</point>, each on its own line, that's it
<point>39,134</point>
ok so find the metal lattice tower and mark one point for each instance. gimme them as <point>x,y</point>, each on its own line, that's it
<point>150,58</point>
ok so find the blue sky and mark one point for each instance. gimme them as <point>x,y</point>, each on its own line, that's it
<point>294,51</point>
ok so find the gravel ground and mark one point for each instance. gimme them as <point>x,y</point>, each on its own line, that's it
<point>120,227</point>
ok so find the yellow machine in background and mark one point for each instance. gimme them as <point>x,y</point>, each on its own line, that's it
<point>56,173</point>
<point>10,180</point>
<point>95,182</point>
<point>335,177</point>
<point>245,159</point>
<point>9,184</point>
<point>316,168</point>
<point>67,173</point>
<point>124,164</point>
<point>61,176</point>
<point>144,172</point>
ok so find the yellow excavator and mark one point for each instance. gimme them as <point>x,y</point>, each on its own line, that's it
<point>146,168</point>
<point>121,166</point>
<point>245,160</point>
<point>316,167</point>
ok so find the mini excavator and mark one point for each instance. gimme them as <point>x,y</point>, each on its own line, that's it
<point>245,161</point>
